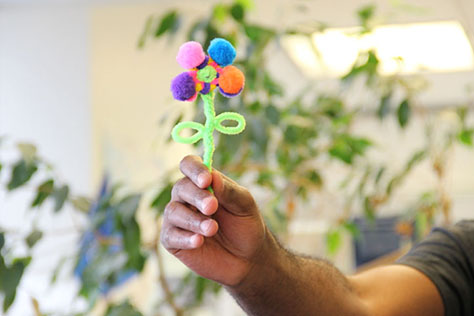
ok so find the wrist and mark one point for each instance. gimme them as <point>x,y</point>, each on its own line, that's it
<point>267,263</point>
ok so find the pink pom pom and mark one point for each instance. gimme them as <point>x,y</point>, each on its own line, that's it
<point>190,55</point>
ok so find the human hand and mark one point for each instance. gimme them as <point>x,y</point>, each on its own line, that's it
<point>217,236</point>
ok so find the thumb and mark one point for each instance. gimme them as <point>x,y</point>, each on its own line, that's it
<point>232,196</point>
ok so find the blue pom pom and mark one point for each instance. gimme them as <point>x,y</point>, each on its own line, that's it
<point>222,52</point>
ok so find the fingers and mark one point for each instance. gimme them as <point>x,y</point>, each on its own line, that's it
<point>178,215</point>
<point>193,168</point>
<point>186,191</point>
<point>184,228</point>
<point>176,238</point>
<point>234,197</point>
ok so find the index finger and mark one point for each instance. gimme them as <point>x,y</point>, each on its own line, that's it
<point>193,168</point>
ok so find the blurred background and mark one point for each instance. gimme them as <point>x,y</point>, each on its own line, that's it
<point>359,139</point>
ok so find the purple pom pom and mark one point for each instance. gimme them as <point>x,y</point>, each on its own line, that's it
<point>190,55</point>
<point>183,87</point>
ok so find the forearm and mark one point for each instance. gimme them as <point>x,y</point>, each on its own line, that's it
<point>281,283</point>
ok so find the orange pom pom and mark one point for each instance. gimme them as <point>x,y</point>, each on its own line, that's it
<point>231,80</point>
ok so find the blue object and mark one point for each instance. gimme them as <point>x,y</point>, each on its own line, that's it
<point>90,244</point>
<point>377,238</point>
<point>222,52</point>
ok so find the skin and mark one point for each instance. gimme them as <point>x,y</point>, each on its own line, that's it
<point>222,237</point>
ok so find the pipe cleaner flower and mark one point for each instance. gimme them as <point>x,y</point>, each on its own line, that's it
<point>207,73</point>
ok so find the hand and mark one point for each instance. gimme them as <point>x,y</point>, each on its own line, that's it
<point>217,236</point>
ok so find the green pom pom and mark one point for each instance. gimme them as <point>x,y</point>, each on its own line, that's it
<point>207,74</point>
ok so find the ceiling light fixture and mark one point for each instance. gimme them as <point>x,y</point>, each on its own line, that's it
<point>405,48</point>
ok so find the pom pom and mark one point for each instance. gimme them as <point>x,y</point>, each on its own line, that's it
<point>183,87</point>
<point>221,51</point>
<point>231,81</point>
<point>190,55</point>
<point>206,89</point>
<point>204,63</point>
<point>207,74</point>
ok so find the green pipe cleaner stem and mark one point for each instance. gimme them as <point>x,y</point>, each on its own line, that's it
<point>209,127</point>
<point>206,131</point>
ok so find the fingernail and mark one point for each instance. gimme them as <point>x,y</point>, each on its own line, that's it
<point>195,240</point>
<point>206,205</point>
<point>202,179</point>
<point>205,225</point>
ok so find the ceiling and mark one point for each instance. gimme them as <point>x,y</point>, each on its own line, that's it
<point>461,10</point>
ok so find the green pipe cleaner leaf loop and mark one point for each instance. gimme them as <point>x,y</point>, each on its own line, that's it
<point>205,132</point>
<point>230,116</point>
<point>191,139</point>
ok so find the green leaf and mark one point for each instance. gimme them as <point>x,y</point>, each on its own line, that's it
<point>128,206</point>
<point>81,203</point>
<point>163,197</point>
<point>342,151</point>
<point>21,173</point>
<point>384,107</point>
<point>131,243</point>
<point>10,278</point>
<point>220,12</point>
<point>315,178</point>
<point>352,228</point>
<point>169,22</point>
<point>124,309</point>
<point>238,12</point>
<point>2,240</point>
<point>462,113</point>
<point>393,183</point>
<point>359,145</point>
<point>247,4</point>
<point>369,67</point>
<point>33,238</point>
<point>272,114</point>
<point>346,148</point>
<point>403,113</point>
<point>295,134</point>
<point>255,107</point>
<point>369,210</point>
<point>379,175</point>
<point>417,157</point>
<point>42,193</point>
<point>365,14</point>
<point>265,178</point>
<point>258,34</point>
<point>333,241</point>
<point>271,86</point>
<point>57,270</point>
<point>28,151</point>
<point>331,106</point>
<point>60,196</point>
<point>465,136</point>
<point>421,223</point>
<point>146,32</point>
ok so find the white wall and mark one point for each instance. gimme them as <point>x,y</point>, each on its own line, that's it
<point>44,99</point>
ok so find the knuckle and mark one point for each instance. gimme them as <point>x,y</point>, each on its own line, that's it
<point>191,221</point>
<point>187,159</point>
<point>177,187</point>
<point>164,238</point>
<point>170,209</point>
